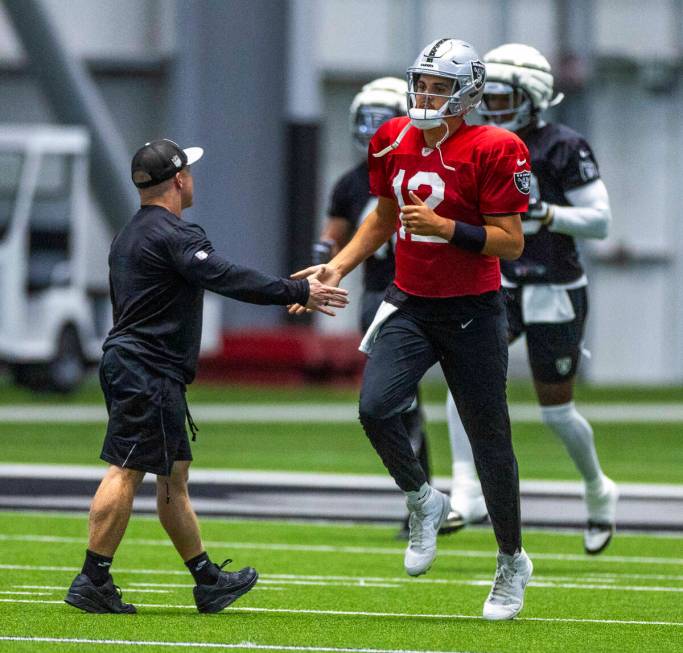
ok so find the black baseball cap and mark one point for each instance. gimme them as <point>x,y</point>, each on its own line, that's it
<point>159,160</point>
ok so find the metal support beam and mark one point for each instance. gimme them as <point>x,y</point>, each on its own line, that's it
<point>575,34</point>
<point>76,100</point>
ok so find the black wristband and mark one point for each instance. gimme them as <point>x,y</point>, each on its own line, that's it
<point>469,236</point>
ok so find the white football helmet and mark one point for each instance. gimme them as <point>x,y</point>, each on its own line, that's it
<point>377,102</point>
<point>523,74</point>
<point>455,60</point>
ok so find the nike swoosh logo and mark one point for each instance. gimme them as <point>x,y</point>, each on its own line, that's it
<point>521,162</point>
<point>466,324</point>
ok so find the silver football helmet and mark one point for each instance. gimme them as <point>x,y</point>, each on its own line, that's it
<point>457,61</point>
<point>377,102</point>
<point>519,86</point>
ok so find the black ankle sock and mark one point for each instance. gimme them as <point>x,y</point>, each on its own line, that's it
<point>96,567</point>
<point>203,570</point>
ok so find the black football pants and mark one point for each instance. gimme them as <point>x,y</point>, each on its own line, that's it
<point>413,418</point>
<point>473,355</point>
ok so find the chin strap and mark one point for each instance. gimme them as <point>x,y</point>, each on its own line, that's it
<point>399,138</point>
<point>394,145</point>
<point>438,147</point>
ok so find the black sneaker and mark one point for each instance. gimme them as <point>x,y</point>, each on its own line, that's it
<point>85,595</point>
<point>229,587</point>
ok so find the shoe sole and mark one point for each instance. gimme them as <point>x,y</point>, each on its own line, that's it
<point>594,552</point>
<point>87,605</point>
<point>224,601</point>
<point>448,529</point>
<point>521,605</point>
<point>444,514</point>
<point>510,618</point>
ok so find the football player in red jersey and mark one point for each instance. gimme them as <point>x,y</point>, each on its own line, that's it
<point>547,297</point>
<point>454,194</point>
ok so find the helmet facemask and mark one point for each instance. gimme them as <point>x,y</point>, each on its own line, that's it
<point>506,106</point>
<point>368,119</point>
<point>422,116</point>
<point>378,101</point>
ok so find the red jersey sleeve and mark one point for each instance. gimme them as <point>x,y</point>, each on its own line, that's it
<point>505,175</point>
<point>380,185</point>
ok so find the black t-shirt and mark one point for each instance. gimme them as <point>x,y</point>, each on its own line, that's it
<point>159,266</point>
<point>352,201</point>
<point>561,160</point>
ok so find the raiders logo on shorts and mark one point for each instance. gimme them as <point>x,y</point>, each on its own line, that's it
<point>522,181</point>
<point>563,365</point>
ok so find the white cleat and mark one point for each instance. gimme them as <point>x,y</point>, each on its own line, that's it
<point>467,507</point>
<point>602,509</point>
<point>425,520</point>
<point>506,598</point>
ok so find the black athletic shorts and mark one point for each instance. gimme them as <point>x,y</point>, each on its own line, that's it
<point>146,429</point>
<point>554,348</point>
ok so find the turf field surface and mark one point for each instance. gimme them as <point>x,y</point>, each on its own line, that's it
<point>432,391</point>
<point>339,588</point>
<point>343,448</point>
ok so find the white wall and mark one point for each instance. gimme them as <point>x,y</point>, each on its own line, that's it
<point>636,319</point>
<point>98,29</point>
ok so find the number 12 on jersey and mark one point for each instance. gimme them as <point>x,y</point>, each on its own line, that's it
<point>438,190</point>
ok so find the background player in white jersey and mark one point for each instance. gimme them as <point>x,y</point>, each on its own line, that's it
<point>378,101</point>
<point>546,285</point>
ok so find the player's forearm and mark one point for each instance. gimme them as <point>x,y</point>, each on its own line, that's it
<point>581,221</point>
<point>588,217</point>
<point>504,244</point>
<point>371,235</point>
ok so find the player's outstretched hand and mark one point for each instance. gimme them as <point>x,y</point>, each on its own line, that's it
<point>323,292</point>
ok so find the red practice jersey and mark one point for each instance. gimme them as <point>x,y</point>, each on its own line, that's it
<point>491,176</point>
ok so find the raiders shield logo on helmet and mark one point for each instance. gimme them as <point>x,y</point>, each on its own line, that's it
<point>478,74</point>
<point>563,365</point>
<point>523,181</point>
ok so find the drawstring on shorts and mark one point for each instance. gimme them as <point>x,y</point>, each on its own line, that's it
<point>194,429</point>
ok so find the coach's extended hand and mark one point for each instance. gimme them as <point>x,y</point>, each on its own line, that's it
<point>323,290</point>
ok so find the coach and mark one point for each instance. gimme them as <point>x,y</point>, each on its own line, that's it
<point>159,268</point>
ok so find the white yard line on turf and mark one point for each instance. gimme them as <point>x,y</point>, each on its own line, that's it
<point>392,615</point>
<point>61,588</point>
<point>214,645</point>
<point>333,413</point>
<point>389,583</point>
<point>572,583</point>
<point>354,550</point>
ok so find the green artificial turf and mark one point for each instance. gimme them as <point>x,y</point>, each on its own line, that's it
<point>629,452</point>
<point>326,587</point>
<point>432,391</point>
